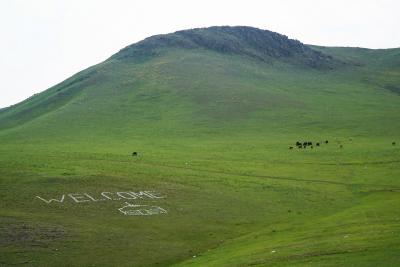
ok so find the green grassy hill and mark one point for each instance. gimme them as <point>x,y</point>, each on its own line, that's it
<point>212,113</point>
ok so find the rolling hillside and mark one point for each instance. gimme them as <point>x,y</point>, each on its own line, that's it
<point>211,113</point>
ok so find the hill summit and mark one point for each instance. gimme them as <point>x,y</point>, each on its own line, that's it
<point>259,44</point>
<point>217,79</point>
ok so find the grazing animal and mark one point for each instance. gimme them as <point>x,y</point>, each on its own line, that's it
<point>393,143</point>
<point>305,143</point>
<point>317,144</point>
<point>298,143</point>
<point>312,147</point>
<point>326,141</point>
<point>309,143</point>
<point>134,154</point>
<point>290,147</point>
<point>341,146</point>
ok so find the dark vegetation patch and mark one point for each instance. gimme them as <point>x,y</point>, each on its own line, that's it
<point>393,88</point>
<point>14,232</point>
<point>259,44</point>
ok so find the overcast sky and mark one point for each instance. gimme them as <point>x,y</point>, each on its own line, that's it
<point>45,41</point>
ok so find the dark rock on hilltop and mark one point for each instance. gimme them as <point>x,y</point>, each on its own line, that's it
<point>259,44</point>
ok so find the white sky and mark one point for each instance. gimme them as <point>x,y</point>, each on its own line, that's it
<point>45,41</point>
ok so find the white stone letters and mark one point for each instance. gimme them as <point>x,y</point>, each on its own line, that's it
<point>106,195</point>
<point>51,200</point>
<point>78,198</point>
<point>126,195</point>
<point>141,210</point>
<point>128,209</point>
<point>92,198</point>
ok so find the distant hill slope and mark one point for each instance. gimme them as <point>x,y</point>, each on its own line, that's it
<point>234,78</point>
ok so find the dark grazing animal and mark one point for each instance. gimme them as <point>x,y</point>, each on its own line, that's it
<point>393,143</point>
<point>298,143</point>
<point>326,141</point>
<point>305,143</point>
<point>290,147</point>
<point>317,144</point>
<point>309,143</point>
<point>134,154</point>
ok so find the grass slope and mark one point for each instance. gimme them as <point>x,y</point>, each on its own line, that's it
<point>213,129</point>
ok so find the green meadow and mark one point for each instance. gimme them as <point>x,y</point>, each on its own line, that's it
<point>212,128</point>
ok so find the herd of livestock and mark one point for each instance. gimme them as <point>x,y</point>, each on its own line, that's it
<point>304,145</point>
